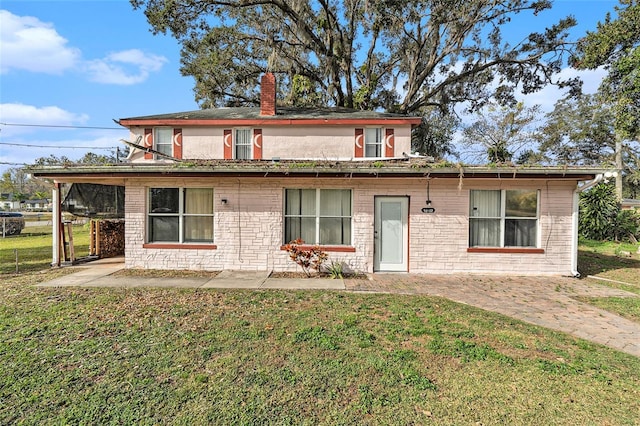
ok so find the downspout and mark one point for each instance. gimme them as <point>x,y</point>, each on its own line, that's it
<point>574,220</point>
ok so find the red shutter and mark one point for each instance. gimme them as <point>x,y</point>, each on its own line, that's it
<point>257,144</point>
<point>359,151</point>
<point>389,144</point>
<point>228,144</point>
<point>148,143</point>
<point>177,143</point>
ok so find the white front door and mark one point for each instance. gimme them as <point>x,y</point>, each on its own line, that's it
<point>391,234</point>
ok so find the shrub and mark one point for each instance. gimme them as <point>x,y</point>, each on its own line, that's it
<point>598,211</point>
<point>307,257</point>
<point>602,219</point>
<point>335,270</point>
<point>627,226</point>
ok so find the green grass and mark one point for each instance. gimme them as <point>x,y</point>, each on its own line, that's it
<point>623,306</point>
<point>155,356</point>
<point>610,260</point>
<point>34,248</point>
<point>150,356</point>
<point>606,260</point>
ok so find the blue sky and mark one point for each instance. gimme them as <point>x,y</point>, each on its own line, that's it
<point>83,63</point>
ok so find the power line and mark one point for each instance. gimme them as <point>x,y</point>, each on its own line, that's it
<point>61,126</point>
<point>56,146</point>
<point>13,164</point>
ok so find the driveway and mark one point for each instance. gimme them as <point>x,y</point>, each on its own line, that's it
<point>546,301</point>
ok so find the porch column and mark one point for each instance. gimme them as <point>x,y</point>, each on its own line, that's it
<point>56,219</point>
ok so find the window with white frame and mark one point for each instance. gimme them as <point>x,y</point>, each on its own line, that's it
<point>373,142</point>
<point>318,216</point>
<point>503,218</point>
<point>180,215</point>
<point>243,144</point>
<point>163,140</point>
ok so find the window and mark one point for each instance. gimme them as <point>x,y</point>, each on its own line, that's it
<point>503,218</point>
<point>318,216</point>
<point>243,144</point>
<point>182,215</point>
<point>373,142</point>
<point>164,140</point>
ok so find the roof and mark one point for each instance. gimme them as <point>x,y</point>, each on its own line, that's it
<point>411,167</point>
<point>290,116</point>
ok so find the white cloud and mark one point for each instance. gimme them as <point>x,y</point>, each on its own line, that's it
<point>124,68</point>
<point>549,95</point>
<point>32,45</point>
<point>14,113</point>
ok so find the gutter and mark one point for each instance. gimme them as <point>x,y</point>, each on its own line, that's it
<point>574,218</point>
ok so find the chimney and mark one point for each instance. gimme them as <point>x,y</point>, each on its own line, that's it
<point>268,94</point>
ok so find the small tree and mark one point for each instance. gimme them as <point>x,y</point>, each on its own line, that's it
<point>500,133</point>
<point>307,257</point>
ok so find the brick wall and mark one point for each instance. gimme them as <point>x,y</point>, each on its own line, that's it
<point>248,230</point>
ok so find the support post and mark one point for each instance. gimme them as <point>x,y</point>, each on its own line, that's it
<point>56,224</point>
<point>63,239</point>
<point>72,251</point>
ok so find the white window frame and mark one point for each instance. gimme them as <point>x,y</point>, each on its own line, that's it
<point>180,214</point>
<point>156,141</point>
<point>317,216</point>
<point>503,218</point>
<point>378,144</point>
<point>249,144</point>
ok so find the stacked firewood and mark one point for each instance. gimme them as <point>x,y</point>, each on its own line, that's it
<point>107,237</point>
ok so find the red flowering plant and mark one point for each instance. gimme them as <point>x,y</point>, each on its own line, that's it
<point>307,257</point>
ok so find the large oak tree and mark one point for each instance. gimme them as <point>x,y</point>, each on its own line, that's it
<point>397,55</point>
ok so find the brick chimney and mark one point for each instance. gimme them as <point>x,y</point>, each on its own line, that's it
<point>268,94</point>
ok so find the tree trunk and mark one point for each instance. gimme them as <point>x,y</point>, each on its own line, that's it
<point>619,168</point>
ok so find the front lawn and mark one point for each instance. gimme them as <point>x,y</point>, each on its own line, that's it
<point>34,248</point>
<point>618,264</point>
<point>156,356</point>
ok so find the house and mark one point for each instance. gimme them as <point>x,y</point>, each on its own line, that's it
<point>630,204</point>
<point>36,205</point>
<point>7,202</point>
<point>227,188</point>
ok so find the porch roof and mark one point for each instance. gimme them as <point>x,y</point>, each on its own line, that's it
<point>412,167</point>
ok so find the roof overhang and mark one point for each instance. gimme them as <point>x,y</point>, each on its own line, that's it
<point>266,122</point>
<point>286,116</point>
<point>116,174</point>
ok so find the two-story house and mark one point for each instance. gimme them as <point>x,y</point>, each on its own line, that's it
<point>226,188</point>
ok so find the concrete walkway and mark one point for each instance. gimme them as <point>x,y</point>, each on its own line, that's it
<point>99,274</point>
<point>545,301</point>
